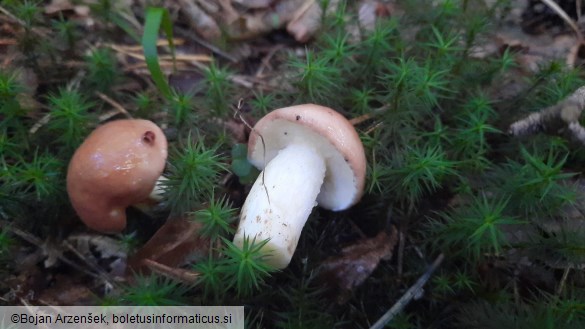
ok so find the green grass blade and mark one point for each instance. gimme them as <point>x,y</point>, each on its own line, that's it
<point>155,19</point>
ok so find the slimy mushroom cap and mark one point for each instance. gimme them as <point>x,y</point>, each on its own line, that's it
<point>328,131</point>
<point>116,166</point>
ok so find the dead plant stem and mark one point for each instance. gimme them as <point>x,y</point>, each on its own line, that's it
<point>410,294</point>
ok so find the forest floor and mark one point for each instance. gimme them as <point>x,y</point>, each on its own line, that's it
<point>469,113</point>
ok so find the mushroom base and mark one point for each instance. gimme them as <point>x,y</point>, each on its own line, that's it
<point>281,200</point>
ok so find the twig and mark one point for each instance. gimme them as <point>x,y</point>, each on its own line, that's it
<point>368,116</point>
<point>7,42</point>
<point>555,7</point>
<point>214,49</point>
<point>401,243</point>
<point>12,17</point>
<point>408,295</point>
<point>40,123</point>
<point>20,21</point>
<point>266,60</point>
<point>179,57</point>
<point>95,267</point>
<point>183,275</point>
<point>119,108</point>
<point>564,114</point>
<point>301,11</point>
<point>563,280</point>
<point>39,244</point>
<point>138,48</point>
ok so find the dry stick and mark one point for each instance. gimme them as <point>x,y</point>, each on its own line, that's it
<point>72,85</point>
<point>564,114</point>
<point>39,244</point>
<point>179,274</point>
<point>266,60</point>
<point>138,48</point>
<point>237,79</point>
<point>214,49</point>
<point>563,280</point>
<point>408,295</point>
<point>100,272</point>
<point>368,116</point>
<point>178,57</point>
<point>401,243</point>
<point>40,123</point>
<point>7,42</point>
<point>117,106</point>
<point>555,7</point>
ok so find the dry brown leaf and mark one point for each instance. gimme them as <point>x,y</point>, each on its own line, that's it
<point>237,129</point>
<point>174,244</point>
<point>306,21</point>
<point>58,6</point>
<point>357,261</point>
<point>99,250</point>
<point>229,14</point>
<point>199,20</point>
<point>250,26</point>
<point>67,292</point>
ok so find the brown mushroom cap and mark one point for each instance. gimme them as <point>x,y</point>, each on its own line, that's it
<point>117,165</point>
<point>328,131</point>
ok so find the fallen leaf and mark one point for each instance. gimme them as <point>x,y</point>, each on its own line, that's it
<point>67,292</point>
<point>101,250</point>
<point>175,243</point>
<point>200,21</point>
<point>357,261</point>
<point>306,21</point>
<point>59,6</point>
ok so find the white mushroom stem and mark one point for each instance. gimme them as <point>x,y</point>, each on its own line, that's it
<point>281,200</point>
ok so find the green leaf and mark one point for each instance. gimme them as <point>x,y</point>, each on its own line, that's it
<point>239,151</point>
<point>241,167</point>
<point>155,19</point>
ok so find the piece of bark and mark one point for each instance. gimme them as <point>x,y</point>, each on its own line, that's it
<point>563,115</point>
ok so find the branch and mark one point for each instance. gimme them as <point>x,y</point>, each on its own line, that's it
<point>411,293</point>
<point>561,116</point>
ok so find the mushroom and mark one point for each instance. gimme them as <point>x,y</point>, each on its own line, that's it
<point>117,165</point>
<point>309,154</point>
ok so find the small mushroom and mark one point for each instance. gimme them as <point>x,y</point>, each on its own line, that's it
<point>309,154</point>
<point>116,166</point>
